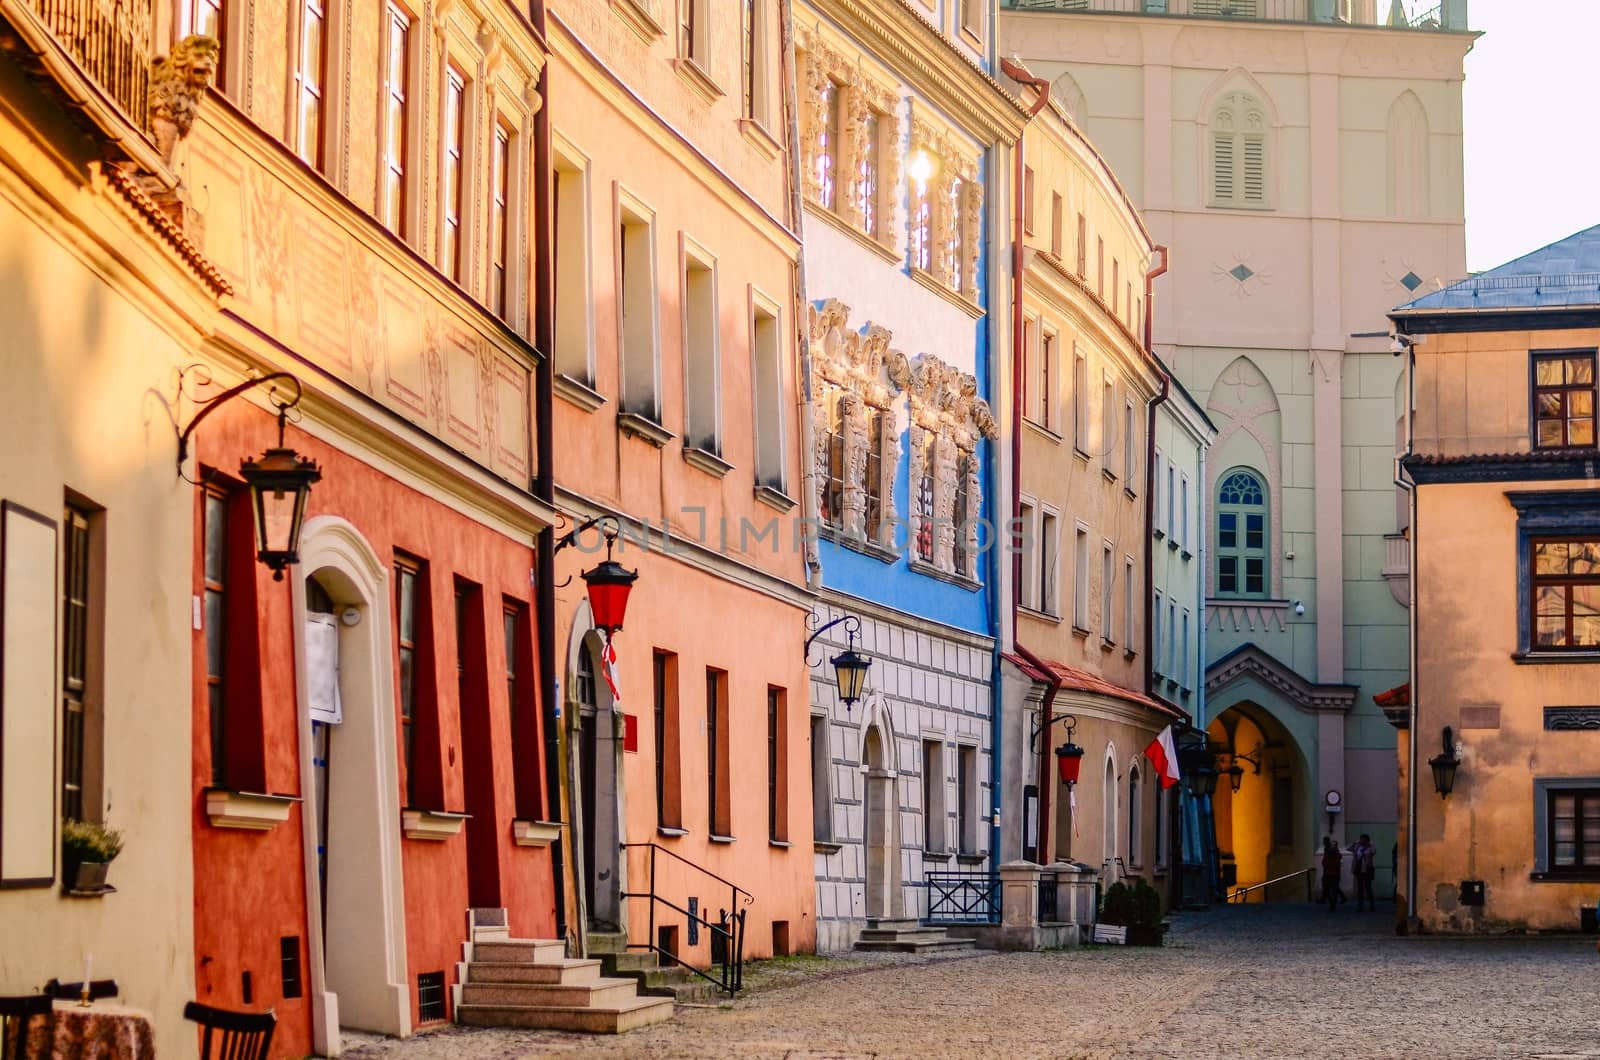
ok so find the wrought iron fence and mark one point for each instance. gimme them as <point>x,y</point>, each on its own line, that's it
<point>1048,912</point>
<point>110,39</point>
<point>963,898</point>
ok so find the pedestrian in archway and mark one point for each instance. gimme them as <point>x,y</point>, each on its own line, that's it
<point>1332,893</point>
<point>1363,866</point>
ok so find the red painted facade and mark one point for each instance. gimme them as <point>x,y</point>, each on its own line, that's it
<point>250,886</point>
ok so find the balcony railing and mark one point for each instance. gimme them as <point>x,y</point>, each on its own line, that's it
<point>1439,14</point>
<point>110,40</point>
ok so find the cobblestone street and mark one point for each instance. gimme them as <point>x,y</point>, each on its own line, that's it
<point>1263,981</point>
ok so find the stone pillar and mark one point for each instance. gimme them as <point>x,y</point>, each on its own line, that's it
<point>1019,905</point>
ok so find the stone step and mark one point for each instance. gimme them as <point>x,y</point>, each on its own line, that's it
<point>607,942</point>
<point>612,1019</point>
<point>501,951</point>
<point>629,961</point>
<point>923,945</point>
<point>597,993</point>
<point>880,934</point>
<point>567,970</point>
<point>876,924</point>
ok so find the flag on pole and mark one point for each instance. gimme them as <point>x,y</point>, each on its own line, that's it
<point>1072,801</point>
<point>1163,753</point>
<point>608,669</point>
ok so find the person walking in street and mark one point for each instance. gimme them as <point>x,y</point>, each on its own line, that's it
<point>1363,866</point>
<point>1332,893</point>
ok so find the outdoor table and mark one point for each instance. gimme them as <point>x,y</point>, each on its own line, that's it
<point>97,1032</point>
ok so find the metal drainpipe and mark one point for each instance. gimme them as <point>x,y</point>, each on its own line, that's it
<point>1019,73</point>
<point>544,482</point>
<point>1149,472</point>
<point>1046,781</point>
<point>802,327</point>
<point>1411,674</point>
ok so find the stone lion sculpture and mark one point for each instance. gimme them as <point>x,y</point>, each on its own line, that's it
<point>177,85</point>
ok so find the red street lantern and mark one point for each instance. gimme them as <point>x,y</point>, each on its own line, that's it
<point>609,585</point>
<point>1069,759</point>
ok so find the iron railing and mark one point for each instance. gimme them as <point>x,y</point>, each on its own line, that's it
<point>726,933</point>
<point>1244,10</point>
<point>1241,894</point>
<point>110,40</point>
<point>1048,913</point>
<point>963,898</point>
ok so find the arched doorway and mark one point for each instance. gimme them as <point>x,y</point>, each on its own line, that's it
<point>599,772</point>
<point>880,821</point>
<point>349,773</point>
<point>1265,829</point>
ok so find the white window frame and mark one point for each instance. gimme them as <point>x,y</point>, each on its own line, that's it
<point>1130,456</point>
<point>694,257</point>
<point>1108,571</point>
<point>1049,551</point>
<point>1108,421</point>
<point>1080,400</point>
<point>466,226</point>
<point>1156,524</point>
<point>1183,653</point>
<point>1172,638</point>
<point>574,261</point>
<point>1184,526</point>
<point>629,209</point>
<point>1080,571</point>
<point>1130,615</point>
<point>770,463</point>
<point>408,214</point>
<point>1028,543</point>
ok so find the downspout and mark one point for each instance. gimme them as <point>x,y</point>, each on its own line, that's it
<point>801,311</point>
<point>544,486</point>
<point>1412,920</point>
<point>1150,472</point>
<point>1046,781</point>
<point>1041,88</point>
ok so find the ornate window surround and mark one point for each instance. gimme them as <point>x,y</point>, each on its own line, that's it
<point>862,95</point>
<point>948,419</point>
<point>955,274</point>
<point>858,374</point>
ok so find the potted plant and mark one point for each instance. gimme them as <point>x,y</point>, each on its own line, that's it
<point>87,849</point>
<point>1134,914</point>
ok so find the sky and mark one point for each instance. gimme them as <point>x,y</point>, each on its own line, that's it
<point>1532,134</point>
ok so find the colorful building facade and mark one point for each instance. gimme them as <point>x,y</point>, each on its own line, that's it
<point>1304,162</point>
<point>1499,455</point>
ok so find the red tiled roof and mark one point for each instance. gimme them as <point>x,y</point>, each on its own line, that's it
<point>163,226</point>
<point>1398,696</point>
<point>1084,681</point>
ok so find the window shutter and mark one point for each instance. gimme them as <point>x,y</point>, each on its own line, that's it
<point>1222,163</point>
<point>1255,169</point>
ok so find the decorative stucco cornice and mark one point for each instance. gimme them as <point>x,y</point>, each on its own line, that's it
<point>945,400</point>
<point>1249,661</point>
<point>932,63</point>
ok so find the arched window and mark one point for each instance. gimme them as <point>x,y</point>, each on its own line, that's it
<point>1241,535</point>
<point>1133,816</point>
<point>1239,152</point>
<point>1408,157</point>
<point>1108,839</point>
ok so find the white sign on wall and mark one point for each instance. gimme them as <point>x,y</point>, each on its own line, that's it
<point>322,668</point>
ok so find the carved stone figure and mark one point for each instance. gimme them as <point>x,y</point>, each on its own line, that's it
<point>178,83</point>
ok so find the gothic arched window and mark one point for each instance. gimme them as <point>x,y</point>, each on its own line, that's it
<point>1241,535</point>
<point>1239,152</point>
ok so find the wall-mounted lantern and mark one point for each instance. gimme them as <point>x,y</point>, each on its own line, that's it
<point>1444,766</point>
<point>280,480</point>
<point>609,583</point>
<point>1069,756</point>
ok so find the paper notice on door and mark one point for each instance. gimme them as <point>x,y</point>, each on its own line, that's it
<point>322,668</point>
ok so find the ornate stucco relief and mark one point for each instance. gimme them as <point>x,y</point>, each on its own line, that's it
<point>954,192</point>
<point>862,97</point>
<point>948,419</point>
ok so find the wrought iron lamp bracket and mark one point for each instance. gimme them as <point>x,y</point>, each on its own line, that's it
<point>1039,730</point>
<point>571,538</point>
<point>211,404</point>
<point>852,628</point>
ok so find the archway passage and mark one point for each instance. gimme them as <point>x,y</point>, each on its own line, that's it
<point>599,777</point>
<point>879,816</point>
<point>1264,830</point>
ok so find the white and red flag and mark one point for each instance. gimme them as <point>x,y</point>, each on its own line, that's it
<point>608,669</point>
<point>1163,754</point>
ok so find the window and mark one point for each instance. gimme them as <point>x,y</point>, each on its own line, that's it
<point>1055,224</point>
<point>216,609</point>
<point>1172,507</point>
<point>1100,268</point>
<point>1080,401</point>
<point>1183,653</point>
<point>955,252</point>
<point>832,507</point>
<point>777,766</point>
<point>1049,545</point>
<point>1183,512</point>
<point>1172,638</point>
<point>1128,613</point>
<point>1107,586</point>
<point>1155,635</point>
<point>80,637</point>
<point>1027,199</point>
<point>821,760</point>
<point>1563,399</point>
<point>1239,152</point>
<point>1130,452</point>
<point>766,354</point>
<point>925,508</point>
<point>520,679</point>
<point>1158,529</point>
<point>1080,573</point>
<point>717,779</point>
<point>451,177</point>
<point>1135,848</point>
<point>1571,831</point>
<point>1241,535</point>
<point>700,353</point>
<point>692,30</point>
<point>872,486</point>
<point>1083,247</point>
<point>830,151</point>
<point>967,796</point>
<point>1566,593</point>
<point>933,784</point>
<point>430,997</point>
<point>499,219</point>
<point>1025,542</point>
<point>636,267</point>
<point>413,639</point>
<point>1116,285</point>
<point>396,123</point>
<point>312,76</point>
<point>664,701</point>
<point>1162,842</point>
<point>921,226</point>
<point>867,170</point>
<point>753,60</point>
<point>972,17</point>
<point>1108,421</point>
<point>574,325</point>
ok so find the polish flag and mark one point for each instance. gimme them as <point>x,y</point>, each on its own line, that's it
<point>608,669</point>
<point>1163,754</point>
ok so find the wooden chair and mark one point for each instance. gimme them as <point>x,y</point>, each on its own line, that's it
<point>16,1013</point>
<point>238,1035</point>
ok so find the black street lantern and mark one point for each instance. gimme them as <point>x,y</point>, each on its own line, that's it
<point>280,482</point>
<point>1069,760</point>
<point>1235,778</point>
<point>609,584</point>
<point>1444,766</point>
<point>1203,781</point>
<point>849,666</point>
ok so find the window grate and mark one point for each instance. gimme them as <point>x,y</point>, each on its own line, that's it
<point>430,997</point>
<point>289,962</point>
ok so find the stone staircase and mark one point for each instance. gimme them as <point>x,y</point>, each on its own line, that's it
<point>654,978</point>
<point>507,982</point>
<point>907,936</point>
